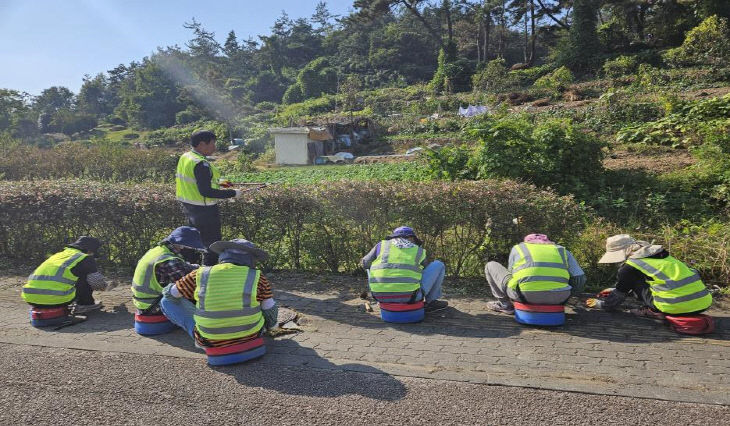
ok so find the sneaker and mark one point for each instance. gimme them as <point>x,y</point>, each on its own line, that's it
<point>82,309</point>
<point>647,312</point>
<point>435,305</point>
<point>498,306</point>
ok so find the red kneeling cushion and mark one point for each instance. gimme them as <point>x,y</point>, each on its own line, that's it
<point>150,318</point>
<point>401,307</point>
<point>48,313</point>
<point>695,324</point>
<point>538,308</point>
<point>233,349</point>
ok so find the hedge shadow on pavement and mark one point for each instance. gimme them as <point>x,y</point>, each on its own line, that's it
<point>287,368</point>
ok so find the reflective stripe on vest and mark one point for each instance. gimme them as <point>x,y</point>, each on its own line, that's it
<point>540,267</point>
<point>186,187</point>
<point>676,288</point>
<point>52,283</point>
<point>226,305</point>
<point>145,287</point>
<point>395,275</point>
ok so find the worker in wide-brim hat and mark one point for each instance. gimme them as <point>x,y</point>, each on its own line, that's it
<point>539,272</point>
<point>69,276</point>
<point>224,304</point>
<point>163,264</point>
<point>663,284</point>
<point>399,271</point>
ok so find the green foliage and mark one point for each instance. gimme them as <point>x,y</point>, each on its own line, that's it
<point>620,66</point>
<point>687,125</point>
<point>310,227</point>
<point>450,163</point>
<point>103,162</point>
<point>706,44</point>
<point>494,78</point>
<point>309,107</point>
<point>555,82</point>
<point>317,78</point>
<point>579,50</point>
<point>451,76</point>
<point>412,171</point>
<point>293,94</point>
<point>552,153</point>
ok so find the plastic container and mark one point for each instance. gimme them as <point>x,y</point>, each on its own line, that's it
<point>542,315</point>
<point>46,317</point>
<point>152,325</point>
<point>402,312</point>
<point>236,354</point>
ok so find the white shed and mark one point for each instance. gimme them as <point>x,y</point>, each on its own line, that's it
<point>293,145</point>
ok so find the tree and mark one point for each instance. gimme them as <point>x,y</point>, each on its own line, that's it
<point>322,18</point>
<point>581,51</point>
<point>375,8</point>
<point>149,97</point>
<point>94,96</point>
<point>12,105</point>
<point>52,99</point>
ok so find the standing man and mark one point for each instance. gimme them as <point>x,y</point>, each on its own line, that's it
<point>67,276</point>
<point>399,272</point>
<point>539,272</point>
<point>198,190</point>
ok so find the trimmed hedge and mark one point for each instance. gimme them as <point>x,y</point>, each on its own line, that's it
<point>304,227</point>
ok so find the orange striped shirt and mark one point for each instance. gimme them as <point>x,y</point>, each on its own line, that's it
<point>186,286</point>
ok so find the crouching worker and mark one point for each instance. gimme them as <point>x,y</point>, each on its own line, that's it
<point>399,272</point>
<point>663,284</point>
<point>539,272</point>
<point>67,276</point>
<point>225,304</point>
<point>161,265</point>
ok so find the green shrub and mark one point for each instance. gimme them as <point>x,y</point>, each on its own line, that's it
<point>689,125</point>
<point>620,66</point>
<point>526,77</point>
<point>309,227</point>
<point>107,162</point>
<point>706,44</point>
<point>555,82</point>
<point>551,153</point>
<point>494,78</point>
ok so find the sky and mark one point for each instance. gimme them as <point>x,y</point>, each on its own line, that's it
<point>46,43</point>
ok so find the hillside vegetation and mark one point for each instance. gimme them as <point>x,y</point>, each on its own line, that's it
<point>620,110</point>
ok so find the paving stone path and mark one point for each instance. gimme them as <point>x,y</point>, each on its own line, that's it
<point>595,352</point>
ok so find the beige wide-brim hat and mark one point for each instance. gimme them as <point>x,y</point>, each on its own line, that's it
<point>620,247</point>
<point>617,248</point>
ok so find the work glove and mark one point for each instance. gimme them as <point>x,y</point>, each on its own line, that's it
<point>605,292</point>
<point>592,302</point>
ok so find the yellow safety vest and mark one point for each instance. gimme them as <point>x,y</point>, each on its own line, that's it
<point>186,187</point>
<point>676,288</point>
<point>52,283</point>
<point>540,267</point>
<point>145,288</point>
<point>225,302</point>
<point>395,275</point>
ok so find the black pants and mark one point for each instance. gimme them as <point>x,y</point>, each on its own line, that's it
<point>207,220</point>
<point>643,293</point>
